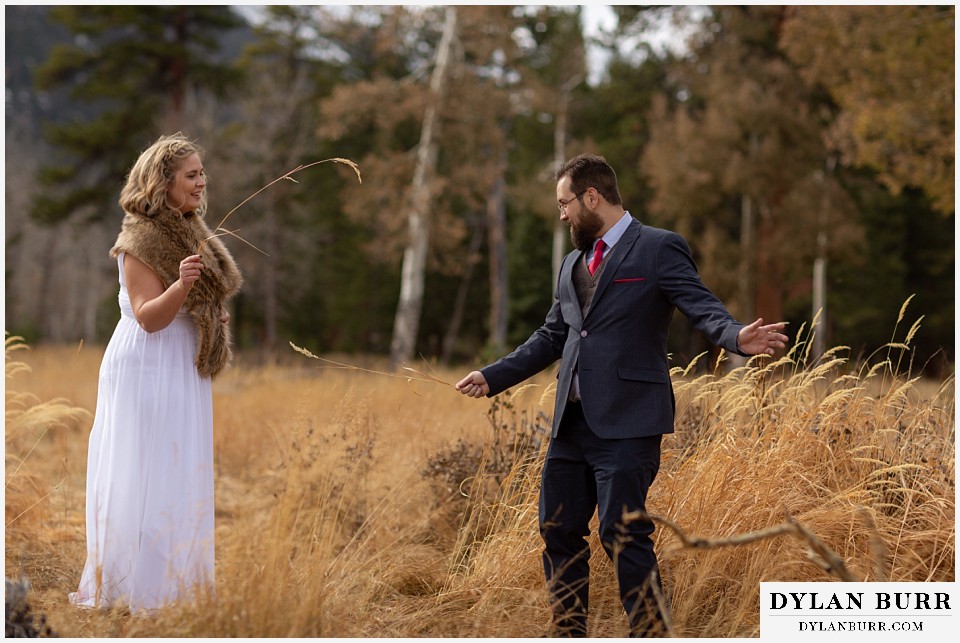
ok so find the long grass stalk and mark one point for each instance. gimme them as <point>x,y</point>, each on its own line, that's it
<point>287,176</point>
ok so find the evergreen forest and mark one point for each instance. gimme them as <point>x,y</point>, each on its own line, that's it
<point>805,152</point>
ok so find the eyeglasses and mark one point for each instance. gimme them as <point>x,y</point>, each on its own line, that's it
<point>562,205</point>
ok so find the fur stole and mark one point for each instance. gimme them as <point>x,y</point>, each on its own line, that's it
<point>162,241</point>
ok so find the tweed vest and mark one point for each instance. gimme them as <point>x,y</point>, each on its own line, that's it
<point>584,283</point>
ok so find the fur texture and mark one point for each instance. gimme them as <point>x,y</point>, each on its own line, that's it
<point>162,242</point>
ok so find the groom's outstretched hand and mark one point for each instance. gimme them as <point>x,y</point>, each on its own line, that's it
<point>756,338</point>
<point>474,385</point>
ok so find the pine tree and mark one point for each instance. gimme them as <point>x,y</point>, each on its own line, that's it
<point>127,66</point>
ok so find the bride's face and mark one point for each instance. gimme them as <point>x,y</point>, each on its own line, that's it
<point>186,189</point>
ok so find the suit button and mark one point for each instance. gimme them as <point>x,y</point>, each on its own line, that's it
<point>583,333</point>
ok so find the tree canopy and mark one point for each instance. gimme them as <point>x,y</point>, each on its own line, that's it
<point>776,139</point>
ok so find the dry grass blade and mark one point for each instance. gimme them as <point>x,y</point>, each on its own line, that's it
<point>692,365</point>
<point>913,330</point>
<point>903,308</point>
<point>27,510</point>
<point>15,343</point>
<point>24,458</point>
<point>233,233</point>
<point>550,389</point>
<point>427,377</point>
<point>289,177</point>
<point>304,351</point>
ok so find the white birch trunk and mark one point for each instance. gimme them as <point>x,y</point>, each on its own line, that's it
<point>270,278</point>
<point>746,270</point>
<point>407,320</point>
<point>497,242</point>
<point>559,157</point>
<point>559,230</point>
<point>820,266</point>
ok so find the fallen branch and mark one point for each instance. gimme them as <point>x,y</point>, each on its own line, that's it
<point>832,562</point>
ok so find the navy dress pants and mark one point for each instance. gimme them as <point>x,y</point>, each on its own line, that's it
<point>583,473</point>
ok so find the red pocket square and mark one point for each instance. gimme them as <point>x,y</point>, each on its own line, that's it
<point>630,280</point>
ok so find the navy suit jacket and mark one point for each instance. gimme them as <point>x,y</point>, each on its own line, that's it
<point>620,348</point>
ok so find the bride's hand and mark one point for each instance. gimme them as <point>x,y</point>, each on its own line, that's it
<point>190,271</point>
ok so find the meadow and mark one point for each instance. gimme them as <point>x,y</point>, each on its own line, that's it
<point>351,502</point>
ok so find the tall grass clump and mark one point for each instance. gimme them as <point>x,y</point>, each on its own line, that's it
<point>791,469</point>
<point>858,453</point>
<point>353,505</point>
<point>29,423</point>
<point>32,528</point>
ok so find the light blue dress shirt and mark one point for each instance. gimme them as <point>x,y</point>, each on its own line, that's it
<point>613,235</point>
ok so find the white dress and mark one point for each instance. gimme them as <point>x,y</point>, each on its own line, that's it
<point>149,470</point>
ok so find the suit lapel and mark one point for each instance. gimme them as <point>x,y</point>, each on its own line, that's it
<point>621,250</point>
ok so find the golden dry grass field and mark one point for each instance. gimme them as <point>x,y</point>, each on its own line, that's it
<point>350,503</point>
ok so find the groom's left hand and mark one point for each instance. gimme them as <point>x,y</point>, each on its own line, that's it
<point>756,338</point>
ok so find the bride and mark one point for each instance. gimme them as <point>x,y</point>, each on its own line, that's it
<point>149,503</point>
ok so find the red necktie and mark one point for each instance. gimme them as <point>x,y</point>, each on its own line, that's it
<point>597,257</point>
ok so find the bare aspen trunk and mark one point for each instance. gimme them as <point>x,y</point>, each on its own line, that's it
<point>179,67</point>
<point>746,275</point>
<point>748,250</point>
<point>46,299</point>
<point>282,145</point>
<point>820,266</point>
<point>559,157</point>
<point>820,294</point>
<point>746,280</point>
<point>746,269</point>
<point>497,242</point>
<point>407,320</point>
<point>559,230</point>
<point>99,272</point>
<point>90,304</point>
<point>270,305</point>
<point>460,303</point>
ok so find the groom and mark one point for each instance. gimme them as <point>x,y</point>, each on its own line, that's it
<point>608,325</point>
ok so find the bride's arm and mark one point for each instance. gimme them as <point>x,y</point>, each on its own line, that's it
<point>153,306</point>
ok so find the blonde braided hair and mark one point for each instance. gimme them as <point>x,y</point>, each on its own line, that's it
<point>145,190</point>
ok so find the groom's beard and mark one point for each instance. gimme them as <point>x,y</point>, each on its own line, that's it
<point>583,232</point>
